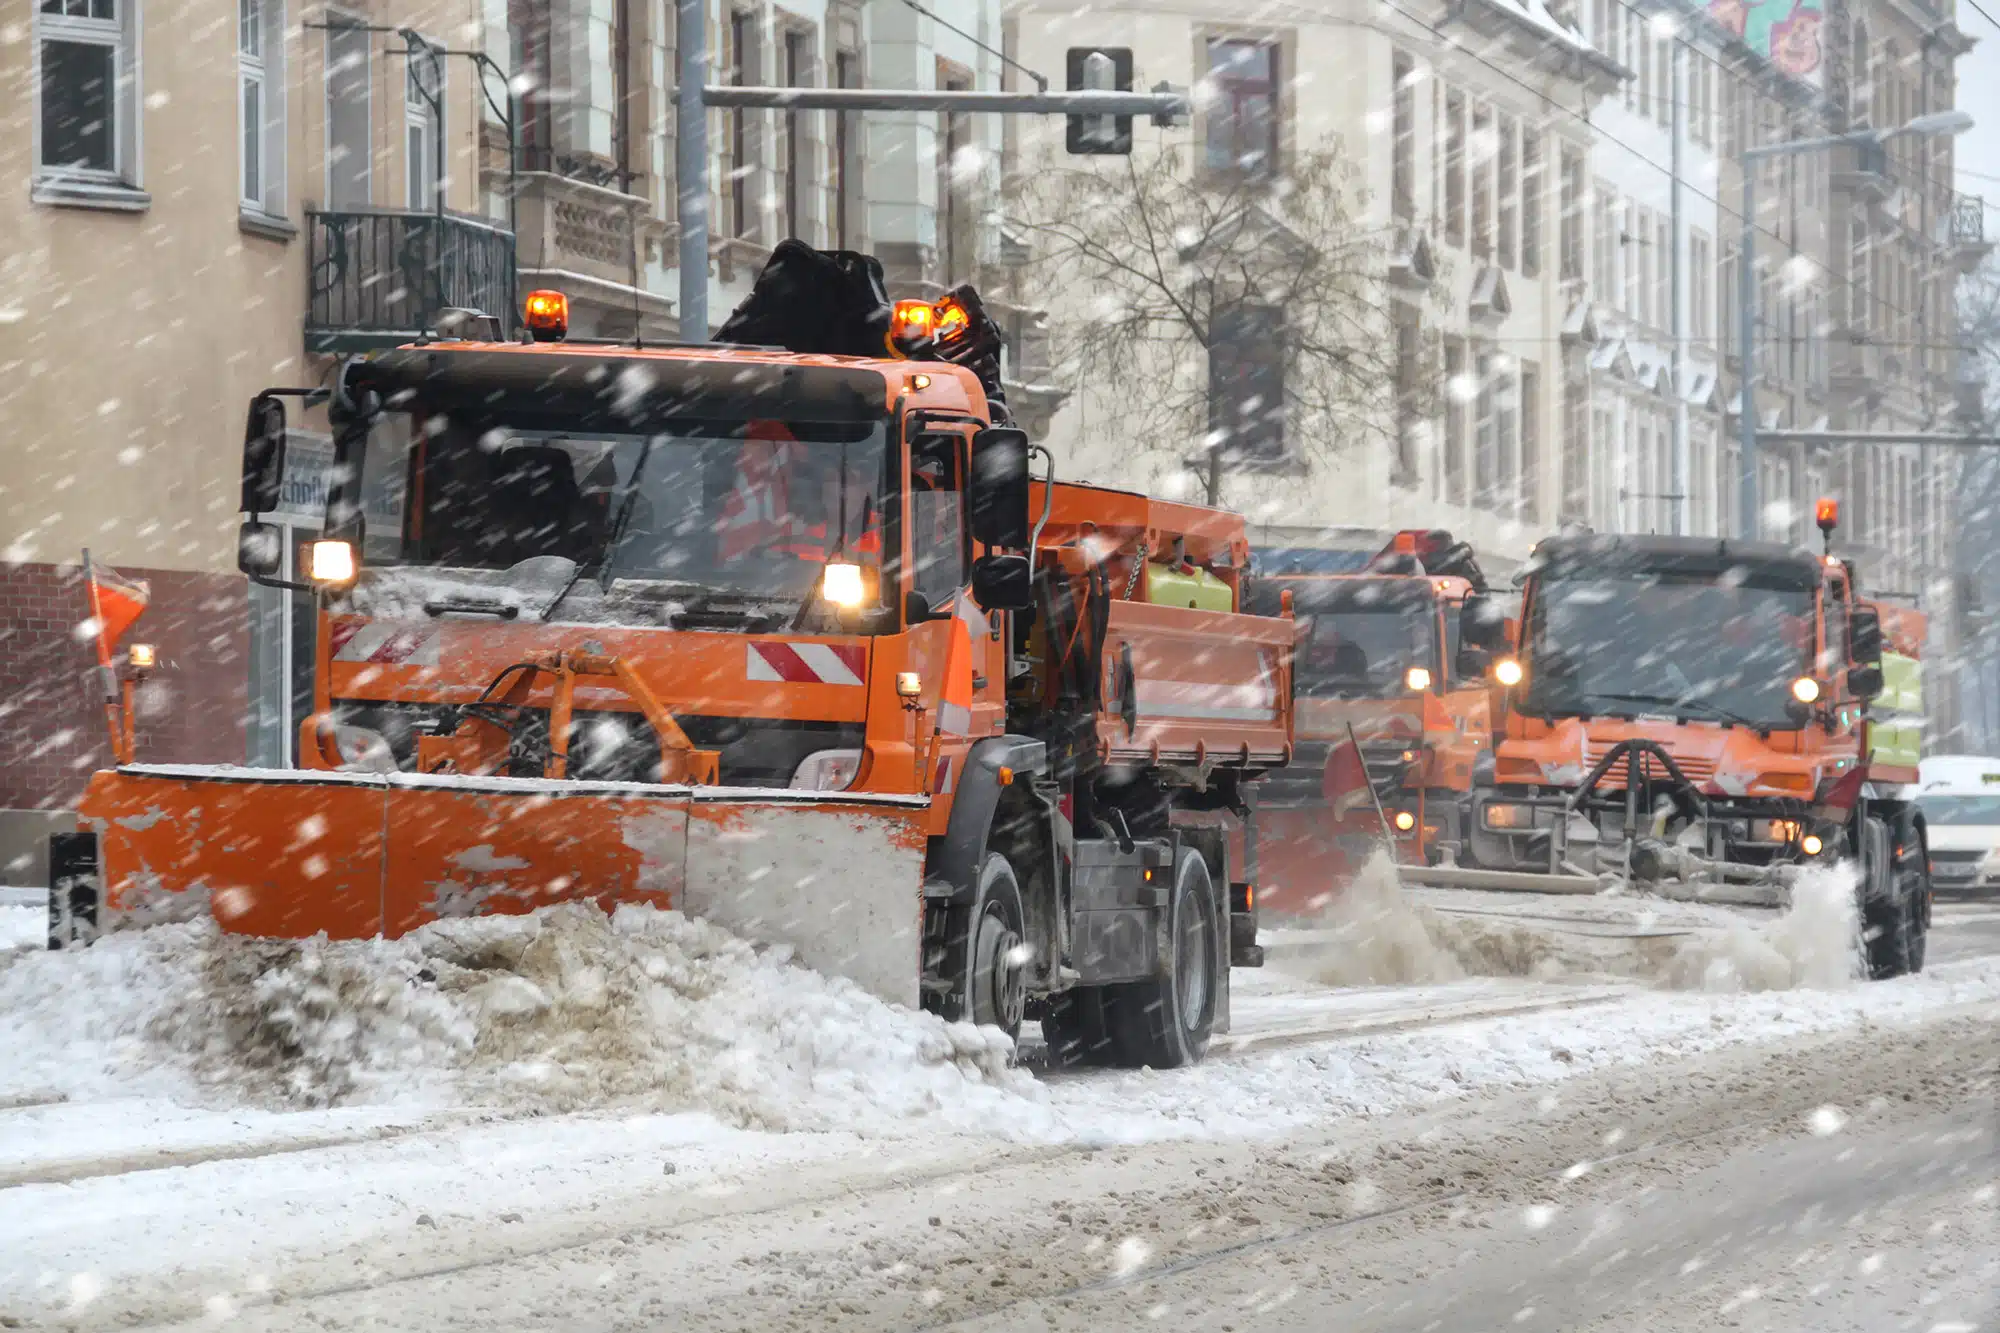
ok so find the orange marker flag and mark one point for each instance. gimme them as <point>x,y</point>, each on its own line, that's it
<point>115,603</point>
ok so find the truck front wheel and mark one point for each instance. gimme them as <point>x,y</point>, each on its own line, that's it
<point>985,953</point>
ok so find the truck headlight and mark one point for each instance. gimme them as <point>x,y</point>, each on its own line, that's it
<point>1508,816</point>
<point>332,562</point>
<point>827,770</point>
<point>363,750</point>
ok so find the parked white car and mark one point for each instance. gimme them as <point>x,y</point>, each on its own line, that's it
<point>1960,799</point>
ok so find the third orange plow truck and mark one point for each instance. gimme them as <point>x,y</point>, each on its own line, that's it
<point>778,631</point>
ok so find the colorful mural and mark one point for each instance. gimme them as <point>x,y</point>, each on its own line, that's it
<point>1785,32</point>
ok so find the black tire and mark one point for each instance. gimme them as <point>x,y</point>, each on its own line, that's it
<point>1891,913</point>
<point>984,948</point>
<point>1165,1023</point>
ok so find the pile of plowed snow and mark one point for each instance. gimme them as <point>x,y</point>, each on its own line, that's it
<point>562,1009</point>
<point>1376,933</point>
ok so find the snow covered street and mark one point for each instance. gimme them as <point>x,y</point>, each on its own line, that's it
<point>577,1124</point>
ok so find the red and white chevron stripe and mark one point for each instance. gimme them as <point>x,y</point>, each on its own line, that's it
<point>807,663</point>
<point>385,642</point>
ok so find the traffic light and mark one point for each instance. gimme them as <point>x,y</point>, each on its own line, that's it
<point>1099,69</point>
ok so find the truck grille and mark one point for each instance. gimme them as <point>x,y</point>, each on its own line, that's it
<point>1698,770</point>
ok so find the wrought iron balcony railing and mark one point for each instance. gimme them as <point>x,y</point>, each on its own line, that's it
<point>378,278</point>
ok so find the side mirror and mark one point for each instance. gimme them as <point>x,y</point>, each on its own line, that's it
<point>1003,583</point>
<point>1864,635</point>
<point>1473,663</point>
<point>1000,487</point>
<point>1865,682</point>
<point>1481,623</point>
<point>263,455</point>
<point>917,609</point>
<point>260,550</point>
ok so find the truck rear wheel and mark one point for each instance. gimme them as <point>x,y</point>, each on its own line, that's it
<point>1165,1022</point>
<point>1897,927</point>
<point>984,944</point>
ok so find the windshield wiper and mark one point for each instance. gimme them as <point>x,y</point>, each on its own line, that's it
<point>575,577</point>
<point>471,606</point>
<point>1676,705</point>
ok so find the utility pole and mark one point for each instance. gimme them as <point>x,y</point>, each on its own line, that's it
<point>1167,106</point>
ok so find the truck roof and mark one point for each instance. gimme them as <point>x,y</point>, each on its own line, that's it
<point>1690,555</point>
<point>626,386</point>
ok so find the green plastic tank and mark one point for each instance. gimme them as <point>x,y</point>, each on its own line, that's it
<point>1168,586</point>
<point>1896,731</point>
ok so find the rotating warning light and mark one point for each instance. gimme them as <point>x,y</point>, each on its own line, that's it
<point>547,316</point>
<point>331,562</point>
<point>1806,690</point>
<point>1417,678</point>
<point>1826,513</point>
<point>842,584</point>
<point>951,319</point>
<point>911,325</point>
<point>1507,671</point>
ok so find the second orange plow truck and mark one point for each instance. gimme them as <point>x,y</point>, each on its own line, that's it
<point>1704,720</point>
<point>778,631</point>
<point>1396,657</point>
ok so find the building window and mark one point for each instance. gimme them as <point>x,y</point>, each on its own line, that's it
<point>1246,381</point>
<point>740,52</point>
<point>260,54</point>
<point>1606,244</point>
<point>423,129</point>
<point>1485,426</point>
<point>1576,421</point>
<point>1663,82</point>
<point>1482,182</point>
<point>1409,386</point>
<point>86,86</point>
<point>1663,270</point>
<point>1457,391</point>
<point>1630,258</point>
<point>846,162</point>
<point>1242,121</point>
<point>1509,172</point>
<point>957,171</point>
<point>1454,167</point>
<point>348,152</point>
<point>798,74</point>
<point>1701,286</point>
<point>1531,204</point>
<point>1403,169</point>
<point>1531,442</point>
<point>1571,236</point>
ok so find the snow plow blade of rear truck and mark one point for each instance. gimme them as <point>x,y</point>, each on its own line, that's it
<point>291,853</point>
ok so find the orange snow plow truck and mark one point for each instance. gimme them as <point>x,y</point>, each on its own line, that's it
<point>1398,656</point>
<point>1702,720</point>
<point>778,631</point>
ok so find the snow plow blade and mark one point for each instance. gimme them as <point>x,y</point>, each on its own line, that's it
<point>292,853</point>
<point>1772,889</point>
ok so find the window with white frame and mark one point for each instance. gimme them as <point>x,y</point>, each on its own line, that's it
<point>423,128</point>
<point>348,77</point>
<point>260,48</point>
<point>86,57</point>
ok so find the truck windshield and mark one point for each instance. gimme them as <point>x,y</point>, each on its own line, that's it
<point>752,507</point>
<point>1940,808</point>
<point>1639,642</point>
<point>1360,641</point>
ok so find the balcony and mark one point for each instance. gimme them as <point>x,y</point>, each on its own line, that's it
<point>379,278</point>
<point>1965,232</point>
<point>598,245</point>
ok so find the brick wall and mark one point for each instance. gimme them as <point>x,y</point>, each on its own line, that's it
<point>191,710</point>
